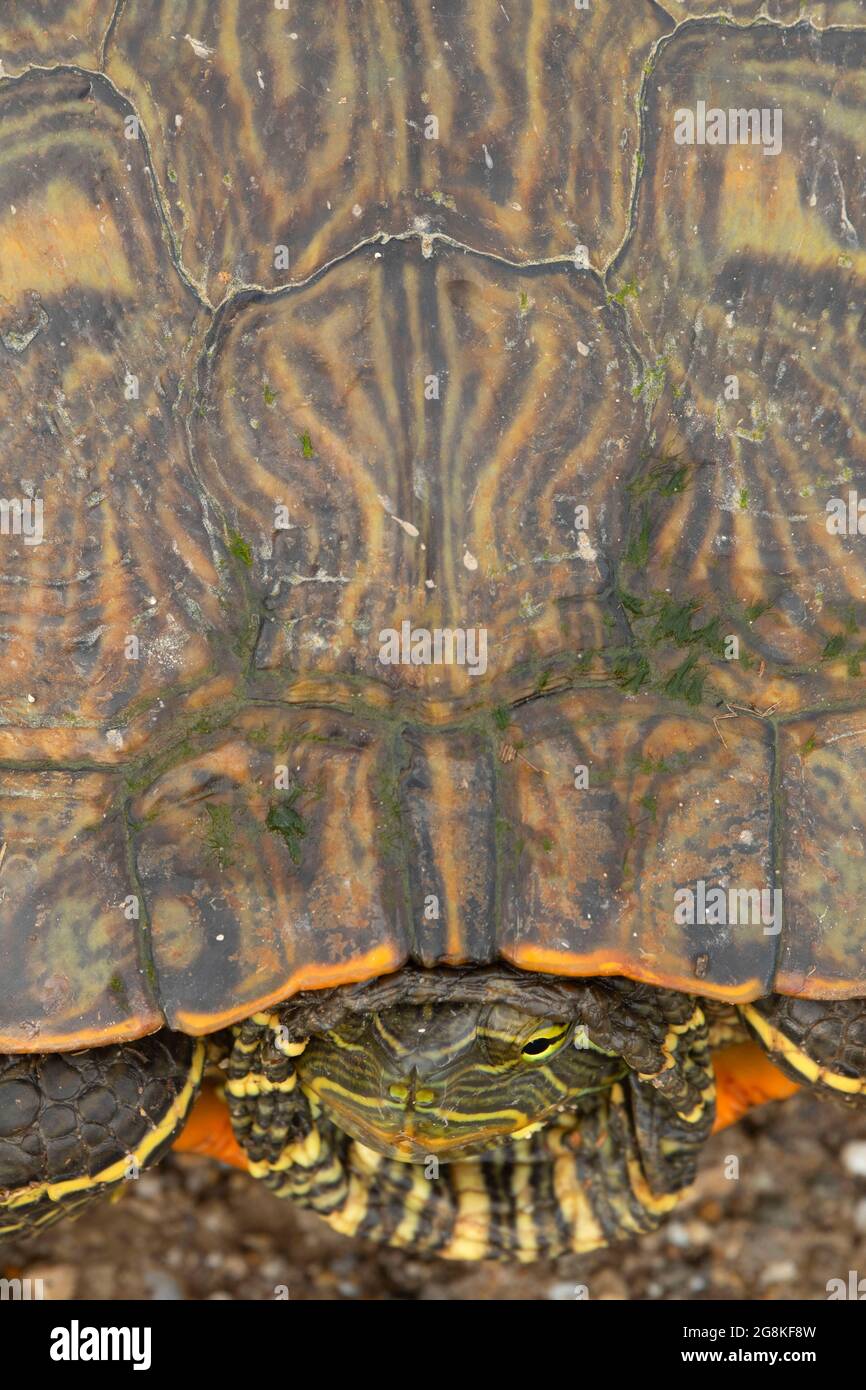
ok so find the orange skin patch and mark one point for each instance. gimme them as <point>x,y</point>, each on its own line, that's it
<point>208,1131</point>
<point>745,1077</point>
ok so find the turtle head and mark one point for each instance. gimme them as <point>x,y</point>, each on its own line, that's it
<point>449,1079</point>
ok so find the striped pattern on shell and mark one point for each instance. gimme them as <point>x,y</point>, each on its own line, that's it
<point>287,368</point>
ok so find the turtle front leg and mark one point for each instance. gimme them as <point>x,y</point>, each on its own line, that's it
<point>287,1144</point>
<point>570,1188</point>
<point>817,1042</point>
<point>73,1126</point>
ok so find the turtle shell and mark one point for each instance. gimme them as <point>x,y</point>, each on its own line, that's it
<point>416,472</point>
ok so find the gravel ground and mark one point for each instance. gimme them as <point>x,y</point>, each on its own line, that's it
<point>794,1218</point>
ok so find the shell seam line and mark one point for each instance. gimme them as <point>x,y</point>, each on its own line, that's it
<point>144,933</point>
<point>776,857</point>
<point>97,75</point>
<point>717,20</point>
<point>250,290</point>
<point>385,717</point>
<point>109,32</point>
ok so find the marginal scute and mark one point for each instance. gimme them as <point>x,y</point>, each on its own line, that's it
<point>249,903</point>
<point>75,967</point>
<point>609,811</point>
<point>822,827</point>
<point>449,794</point>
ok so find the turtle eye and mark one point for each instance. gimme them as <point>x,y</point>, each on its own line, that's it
<point>544,1043</point>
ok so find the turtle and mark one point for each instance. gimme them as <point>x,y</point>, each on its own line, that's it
<point>433,594</point>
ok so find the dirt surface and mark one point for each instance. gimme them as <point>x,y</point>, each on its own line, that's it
<point>793,1219</point>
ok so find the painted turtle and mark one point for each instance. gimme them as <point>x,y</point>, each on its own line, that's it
<point>433,596</point>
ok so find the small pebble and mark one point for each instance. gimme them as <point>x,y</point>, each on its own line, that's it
<point>161,1286</point>
<point>58,1281</point>
<point>566,1291</point>
<point>779,1272</point>
<point>854,1157</point>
